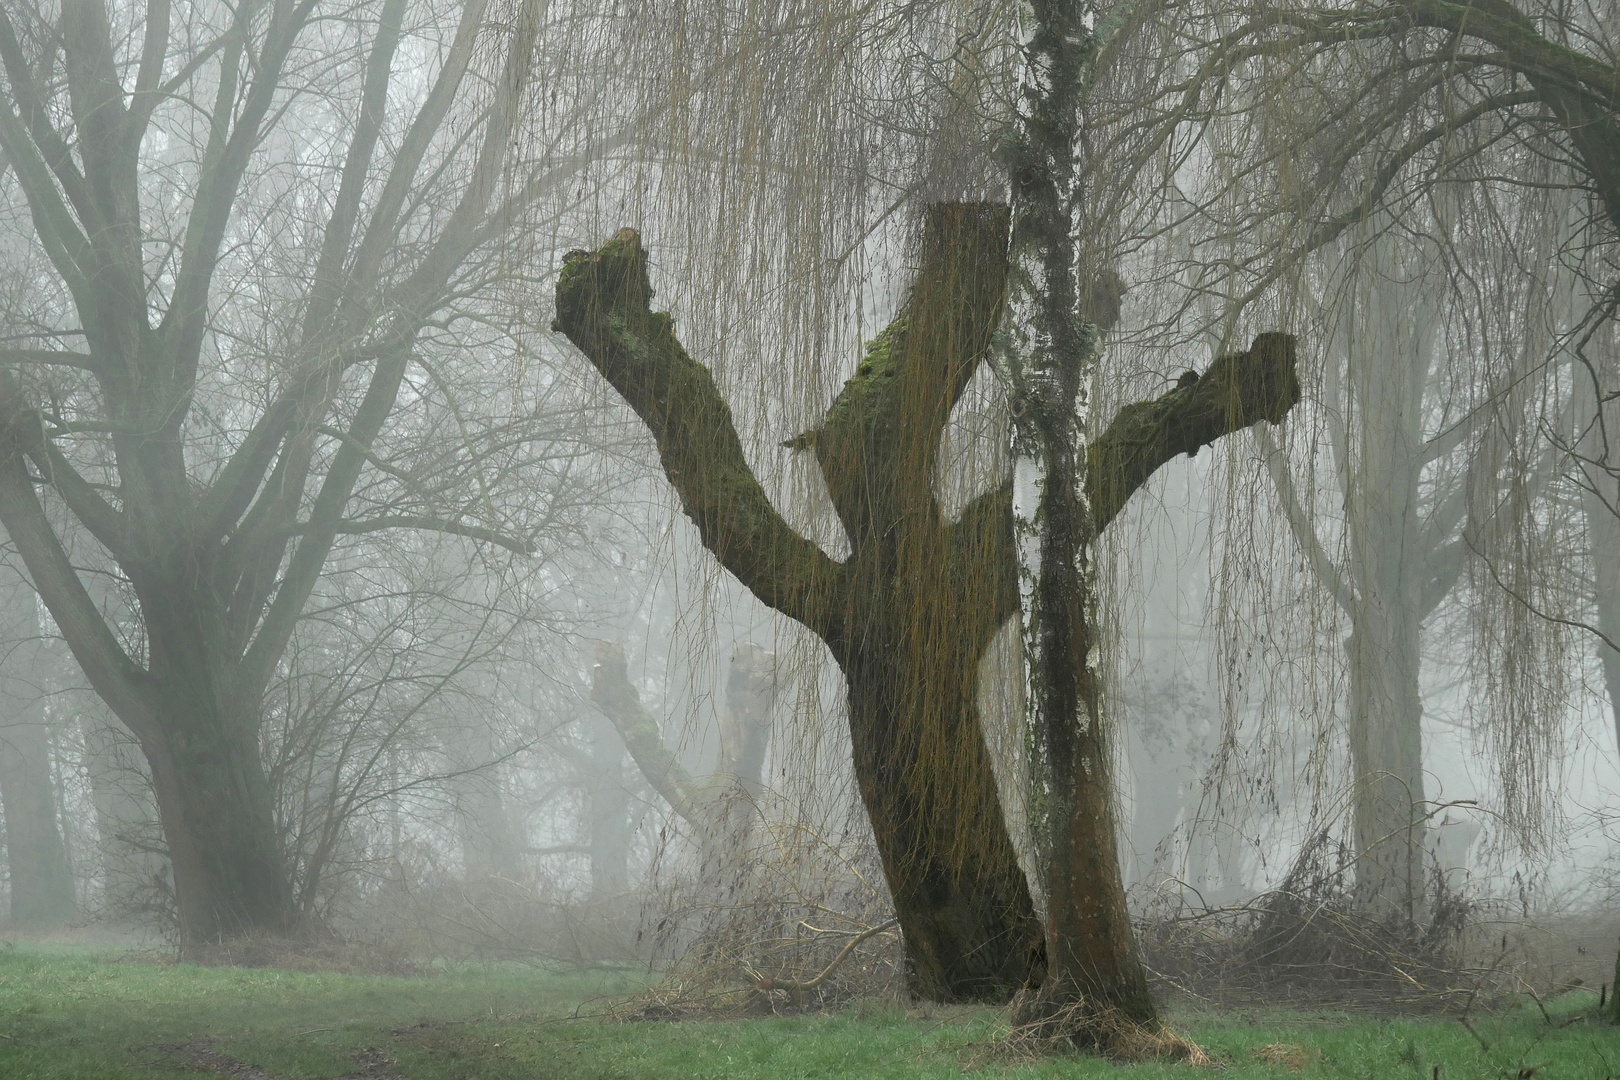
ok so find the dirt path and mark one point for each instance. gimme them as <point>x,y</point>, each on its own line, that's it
<point>371,1063</point>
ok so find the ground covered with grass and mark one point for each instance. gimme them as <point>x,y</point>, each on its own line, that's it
<point>93,1014</point>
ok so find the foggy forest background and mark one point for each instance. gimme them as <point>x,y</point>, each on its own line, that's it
<point>305,495</point>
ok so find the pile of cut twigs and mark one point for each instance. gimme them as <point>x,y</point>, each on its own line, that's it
<point>1309,940</point>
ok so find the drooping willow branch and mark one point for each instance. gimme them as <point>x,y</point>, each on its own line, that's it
<point>603,308</point>
<point>911,611</point>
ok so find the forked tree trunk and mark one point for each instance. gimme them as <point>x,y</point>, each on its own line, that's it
<point>225,546</point>
<point>720,808</point>
<point>913,609</point>
<point>908,615</point>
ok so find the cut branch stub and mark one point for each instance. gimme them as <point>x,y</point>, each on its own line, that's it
<point>1238,389</point>
<point>617,698</point>
<point>602,306</point>
<point>880,440</point>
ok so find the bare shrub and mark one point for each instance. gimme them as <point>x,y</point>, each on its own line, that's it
<point>1310,939</point>
<point>798,923</point>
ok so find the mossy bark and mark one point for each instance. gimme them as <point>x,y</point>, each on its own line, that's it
<point>908,615</point>
<point>913,609</point>
<point>925,598</point>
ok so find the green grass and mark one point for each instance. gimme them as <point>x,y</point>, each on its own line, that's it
<point>74,1013</point>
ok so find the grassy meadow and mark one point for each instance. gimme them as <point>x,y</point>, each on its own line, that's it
<point>88,1013</point>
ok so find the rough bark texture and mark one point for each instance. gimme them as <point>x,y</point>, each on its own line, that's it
<point>218,819</point>
<point>910,612</point>
<point>913,609</point>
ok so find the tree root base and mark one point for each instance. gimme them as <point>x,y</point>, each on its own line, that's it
<point>1044,1025</point>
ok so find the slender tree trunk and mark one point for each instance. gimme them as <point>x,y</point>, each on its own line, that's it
<point>607,813</point>
<point>1600,505</point>
<point>745,737</point>
<point>1090,945</point>
<point>1391,574</point>
<point>36,855</point>
<point>1390,816</point>
<point>489,843</point>
<point>130,840</point>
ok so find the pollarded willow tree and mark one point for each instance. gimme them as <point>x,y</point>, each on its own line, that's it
<point>908,615</point>
<point>257,274</point>
<point>720,808</point>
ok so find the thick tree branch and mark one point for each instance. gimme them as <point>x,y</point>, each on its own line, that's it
<point>602,307</point>
<point>97,101</point>
<point>460,233</point>
<point>616,697</point>
<point>149,77</point>
<point>25,91</point>
<point>1238,389</point>
<point>1328,573</point>
<point>20,425</point>
<point>309,559</point>
<point>59,234</point>
<point>1524,48</point>
<point>379,234</point>
<point>879,442</point>
<point>116,677</point>
<point>231,146</point>
<point>340,226</point>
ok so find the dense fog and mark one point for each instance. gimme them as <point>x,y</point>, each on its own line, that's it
<point>384,570</point>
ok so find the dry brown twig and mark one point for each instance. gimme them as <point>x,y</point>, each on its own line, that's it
<point>768,983</point>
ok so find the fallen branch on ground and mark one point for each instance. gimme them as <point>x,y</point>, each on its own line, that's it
<point>768,983</point>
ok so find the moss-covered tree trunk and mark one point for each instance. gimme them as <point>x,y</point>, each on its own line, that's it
<point>911,611</point>
<point>1093,967</point>
<point>908,615</point>
<point>925,597</point>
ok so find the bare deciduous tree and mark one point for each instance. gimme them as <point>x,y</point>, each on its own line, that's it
<point>255,231</point>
